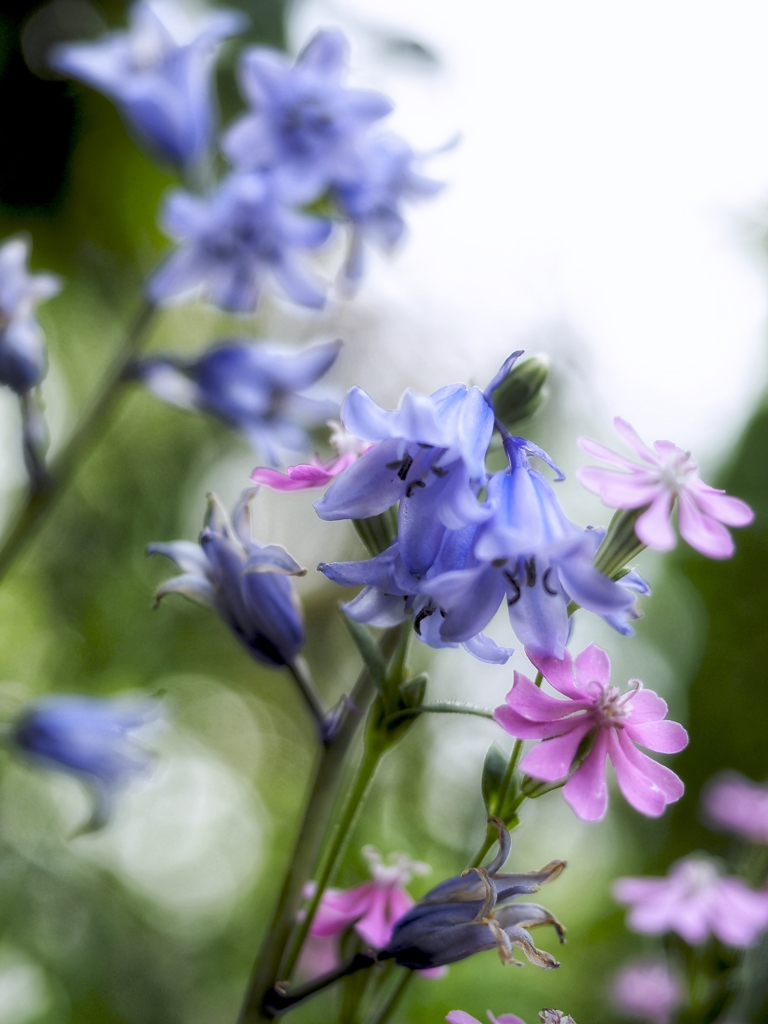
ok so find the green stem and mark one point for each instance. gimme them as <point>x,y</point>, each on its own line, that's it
<point>389,1005</point>
<point>309,840</point>
<point>306,684</point>
<point>441,708</point>
<point>39,502</point>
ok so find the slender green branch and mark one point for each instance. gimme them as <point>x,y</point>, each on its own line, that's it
<point>278,1002</point>
<point>441,708</point>
<point>39,501</point>
<point>306,684</point>
<point>388,1007</point>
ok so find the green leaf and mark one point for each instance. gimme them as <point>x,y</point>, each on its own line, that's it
<point>368,650</point>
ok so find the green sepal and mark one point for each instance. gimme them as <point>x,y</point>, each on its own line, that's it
<point>378,532</point>
<point>620,543</point>
<point>521,392</point>
<point>499,803</point>
<point>388,724</point>
<point>368,650</point>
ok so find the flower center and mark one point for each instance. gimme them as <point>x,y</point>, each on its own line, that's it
<point>611,707</point>
<point>675,470</point>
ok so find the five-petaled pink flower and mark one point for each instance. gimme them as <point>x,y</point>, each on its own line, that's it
<point>695,900</point>
<point>647,990</point>
<point>594,712</point>
<point>315,473</point>
<point>738,805</point>
<point>665,473</point>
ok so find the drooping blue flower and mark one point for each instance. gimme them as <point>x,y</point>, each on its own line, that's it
<point>159,74</point>
<point>246,583</point>
<point>254,388</point>
<point>22,345</point>
<point>89,737</point>
<point>430,457</point>
<point>231,241</point>
<point>306,126</point>
<point>371,198</point>
<point>530,554</point>
<point>391,594</point>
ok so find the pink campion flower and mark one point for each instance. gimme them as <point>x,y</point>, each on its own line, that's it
<point>460,1017</point>
<point>647,990</point>
<point>696,901</point>
<point>665,474</point>
<point>594,711</point>
<point>315,473</point>
<point>737,804</point>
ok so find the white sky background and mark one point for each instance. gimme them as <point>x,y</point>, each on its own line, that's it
<point>604,203</point>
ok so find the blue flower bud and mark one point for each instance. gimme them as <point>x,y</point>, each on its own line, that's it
<point>247,584</point>
<point>23,360</point>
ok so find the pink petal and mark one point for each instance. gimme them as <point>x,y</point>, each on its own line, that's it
<point>646,706</point>
<point>375,927</point>
<point>645,784</point>
<point>528,700</point>
<point>702,533</point>
<point>339,909</point>
<point>662,737</point>
<point>592,665</point>
<point>523,729</point>
<point>741,914</point>
<point>630,437</point>
<point>301,477</point>
<point>618,490</point>
<point>434,972</point>
<point>505,1018</point>
<point>551,760</point>
<point>634,890</point>
<point>558,672</point>
<point>460,1017</point>
<point>721,506</point>
<point>586,790</point>
<point>599,451</point>
<point>653,527</point>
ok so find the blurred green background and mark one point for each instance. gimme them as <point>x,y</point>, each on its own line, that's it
<point>158,919</point>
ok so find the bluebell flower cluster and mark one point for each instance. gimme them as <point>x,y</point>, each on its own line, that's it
<point>467,541</point>
<point>159,74</point>
<point>248,584</point>
<point>256,389</point>
<point>23,360</point>
<point>88,737</point>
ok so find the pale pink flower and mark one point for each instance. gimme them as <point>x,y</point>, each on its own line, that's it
<point>695,900</point>
<point>460,1017</point>
<point>596,711</point>
<point>665,474</point>
<point>648,990</point>
<point>315,473</point>
<point>738,805</point>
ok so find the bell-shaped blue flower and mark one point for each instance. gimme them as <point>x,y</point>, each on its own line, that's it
<point>372,197</point>
<point>159,74</point>
<point>88,737</point>
<point>22,346</point>
<point>257,389</point>
<point>306,126</point>
<point>247,584</point>
<point>471,913</point>
<point>232,241</point>
<point>429,454</point>
<point>529,553</point>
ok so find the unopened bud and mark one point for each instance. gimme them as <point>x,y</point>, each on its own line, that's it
<point>378,532</point>
<point>620,544</point>
<point>521,392</point>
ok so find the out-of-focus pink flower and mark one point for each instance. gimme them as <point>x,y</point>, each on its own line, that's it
<point>737,805</point>
<point>665,473</point>
<point>648,990</point>
<point>595,710</point>
<point>695,900</point>
<point>460,1017</point>
<point>315,473</point>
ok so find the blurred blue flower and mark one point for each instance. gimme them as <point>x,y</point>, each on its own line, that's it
<point>306,126</point>
<point>89,738</point>
<point>529,553</point>
<point>430,457</point>
<point>230,241</point>
<point>254,388</point>
<point>159,74</point>
<point>22,346</point>
<point>372,196</point>
<point>247,584</point>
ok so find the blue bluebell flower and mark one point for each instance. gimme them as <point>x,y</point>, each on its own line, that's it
<point>159,74</point>
<point>23,359</point>
<point>306,126</point>
<point>89,737</point>
<point>372,196</point>
<point>391,594</point>
<point>257,389</point>
<point>430,457</point>
<point>530,554</point>
<point>248,584</point>
<point>231,242</point>
<point>470,913</point>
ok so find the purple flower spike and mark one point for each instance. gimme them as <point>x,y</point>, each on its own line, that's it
<point>594,711</point>
<point>696,901</point>
<point>306,126</point>
<point>232,241</point>
<point>664,475</point>
<point>22,346</point>
<point>159,74</point>
<point>647,990</point>
<point>736,804</point>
